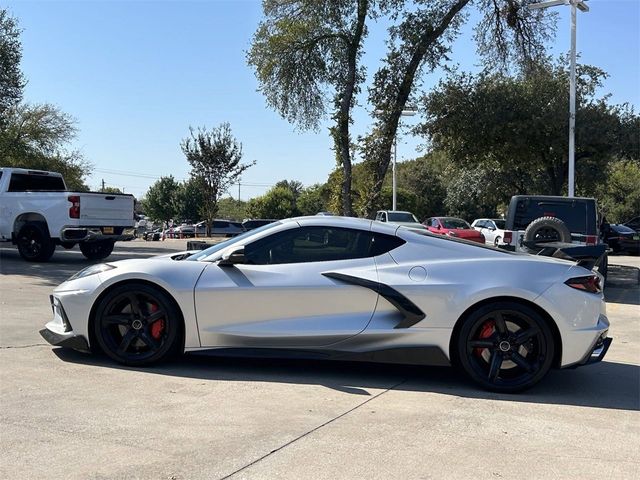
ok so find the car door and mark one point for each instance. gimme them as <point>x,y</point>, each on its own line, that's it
<point>279,296</point>
<point>489,231</point>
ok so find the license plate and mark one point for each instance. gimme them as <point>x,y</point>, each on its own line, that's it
<point>107,230</point>
<point>636,237</point>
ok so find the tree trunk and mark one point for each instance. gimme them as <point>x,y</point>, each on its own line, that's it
<point>343,138</point>
<point>396,105</point>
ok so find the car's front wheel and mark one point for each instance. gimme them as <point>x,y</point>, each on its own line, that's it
<point>137,324</point>
<point>505,347</point>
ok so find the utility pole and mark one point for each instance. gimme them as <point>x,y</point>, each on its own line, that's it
<point>102,185</point>
<point>238,191</point>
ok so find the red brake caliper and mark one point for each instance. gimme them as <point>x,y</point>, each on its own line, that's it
<point>485,332</point>
<point>158,326</point>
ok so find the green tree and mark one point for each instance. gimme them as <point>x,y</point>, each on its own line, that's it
<point>279,202</point>
<point>37,136</point>
<point>12,81</point>
<point>189,199</point>
<point>232,209</point>
<point>507,31</point>
<point>161,200</point>
<point>619,196</point>
<point>306,51</point>
<point>312,200</point>
<point>215,158</point>
<point>509,134</point>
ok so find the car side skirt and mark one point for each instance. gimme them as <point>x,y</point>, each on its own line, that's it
<point>422,355</point>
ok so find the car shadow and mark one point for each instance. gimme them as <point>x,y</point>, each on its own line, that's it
<point>604,385</point>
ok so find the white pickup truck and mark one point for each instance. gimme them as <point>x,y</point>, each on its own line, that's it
<point>37,212</point>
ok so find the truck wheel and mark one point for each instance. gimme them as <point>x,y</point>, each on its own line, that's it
<point>34,243</point>
<point>97,250</point>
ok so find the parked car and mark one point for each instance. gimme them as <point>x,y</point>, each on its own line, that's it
<point>345,289</point>
<point>185,230</point>
<point>326,214</point>
<point>37,212</point>
<point>250,224</point>
<point>153,235</point>
<point>225,228</point>
<point>491,228</point>
<point>536,220</point>
<point>453,227</point>
<point>399,217</point>
<point>621,238</point>
<point>634,224</point>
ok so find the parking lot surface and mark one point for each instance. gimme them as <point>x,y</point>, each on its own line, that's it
<point>65,414</point>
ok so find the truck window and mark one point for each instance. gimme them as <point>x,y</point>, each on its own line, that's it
<point>24,182</point>
<point>573,214</point>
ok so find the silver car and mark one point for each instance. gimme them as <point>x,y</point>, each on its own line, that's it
<point>345,289</point>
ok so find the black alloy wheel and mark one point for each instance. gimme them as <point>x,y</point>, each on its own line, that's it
<point>97,250</point>
<point>136,324</point>
<point>34,243</point>
<point>505,347</point>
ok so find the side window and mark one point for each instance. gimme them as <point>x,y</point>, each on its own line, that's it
<point>483,224</point>
<point>219,224</point>
<point>379,216</point>
<point>22,182</point>
<point>318,244</point>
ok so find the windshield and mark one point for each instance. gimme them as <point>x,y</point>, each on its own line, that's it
<point>402,217</point>
<point>222,245</point>
<point>454,223</point>
<point>500,223</point>
<point>622,229</point>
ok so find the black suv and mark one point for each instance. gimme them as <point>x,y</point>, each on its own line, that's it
<point>534,221</point>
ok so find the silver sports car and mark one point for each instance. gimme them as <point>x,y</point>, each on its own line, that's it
<point>342,288</point>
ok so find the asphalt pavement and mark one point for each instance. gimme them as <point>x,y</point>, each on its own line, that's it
<point>69,415</point>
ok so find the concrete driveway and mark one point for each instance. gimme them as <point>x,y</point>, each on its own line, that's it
<point>68,415</point>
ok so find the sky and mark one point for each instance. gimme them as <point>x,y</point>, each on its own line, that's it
<point>136,74</point>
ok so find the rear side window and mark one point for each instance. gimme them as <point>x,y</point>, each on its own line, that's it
<point>219,224</point>
<point>23,182</point>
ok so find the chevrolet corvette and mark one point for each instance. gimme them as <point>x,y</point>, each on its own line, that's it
<point>344,289</point>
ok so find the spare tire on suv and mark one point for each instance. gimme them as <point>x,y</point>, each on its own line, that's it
<point>547,229</point>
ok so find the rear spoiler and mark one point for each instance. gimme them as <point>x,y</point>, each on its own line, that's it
<point>587,256</point>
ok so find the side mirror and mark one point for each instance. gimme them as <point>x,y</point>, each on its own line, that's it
<point>439,227</point>
<point>232,258</point>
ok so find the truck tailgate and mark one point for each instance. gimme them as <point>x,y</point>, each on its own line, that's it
<point>102,206</point>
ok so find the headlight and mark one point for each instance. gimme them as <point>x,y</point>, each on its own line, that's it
<point>92,270</point>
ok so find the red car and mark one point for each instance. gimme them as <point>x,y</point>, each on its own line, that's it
<point>454,227</point>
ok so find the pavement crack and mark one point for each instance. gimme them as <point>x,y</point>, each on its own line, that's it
<point>24,346</point>
<point>315,429</point>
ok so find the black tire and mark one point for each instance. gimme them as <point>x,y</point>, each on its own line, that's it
<point>547,229</point>
<point>137,324</point>
<point>505,347</point>
<point>97,250</point>
<point>34,243</point>
<point>496,241</point>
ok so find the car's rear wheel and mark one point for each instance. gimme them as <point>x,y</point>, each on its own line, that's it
<point>505,347</point>
<point>496,241</point>
<point>137,324</point>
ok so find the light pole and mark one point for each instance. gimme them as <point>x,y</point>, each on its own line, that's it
<point>574,4</point>
<point>409,112</point>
